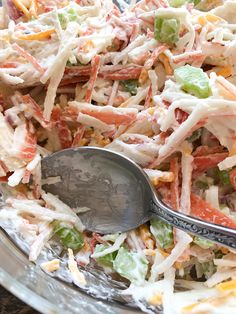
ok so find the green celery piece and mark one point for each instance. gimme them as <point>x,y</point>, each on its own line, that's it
<point>106,260</point>
<point>62,20</point>
<point>69,237</point>
<point>202,185</point>
<point>208,269</point>
<point>130,86</point>
<point>193,81</point>
<point>162,232</point>
<point>73,16</point>
<point>218,254</point>
<point>177,3</point>
<point>110,237</point>
<point>130,265</point>
<point>195,136</point>
<point>203,243</point>
<point>221,177</point>
<point>224,177</point>
<point>70,15</point>
<point>166,30</point>
<point>207,5</point>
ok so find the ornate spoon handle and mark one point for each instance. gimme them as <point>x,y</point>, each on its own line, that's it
<point>219,234</point>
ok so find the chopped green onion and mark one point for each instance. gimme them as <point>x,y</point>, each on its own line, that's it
<point>193,81</point>
<point>106,260</point>
<point>203,243</point>
<point>166,30</point>
<point>130,86</point>
<point>69,237</point>
<point>130,265</point>
<point>195,136</point>
<point>162,232</point>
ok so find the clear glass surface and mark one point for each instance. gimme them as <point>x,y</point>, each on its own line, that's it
<point>44,293</point>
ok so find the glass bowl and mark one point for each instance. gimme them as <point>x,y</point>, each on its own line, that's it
<point>42,292</point>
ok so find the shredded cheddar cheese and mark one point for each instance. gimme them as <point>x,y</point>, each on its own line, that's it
<point>164,59</point>
<point>51,266</point>
<point>22,7</point>
<point>209,17</point>
<point>38,36</point>
<point>156,299</point>
<point>143,77</point>
<point>226,286</point>
<point>225,71</point>
<point>146,237</point>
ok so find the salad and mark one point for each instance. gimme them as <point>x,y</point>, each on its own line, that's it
<point>154,82</point>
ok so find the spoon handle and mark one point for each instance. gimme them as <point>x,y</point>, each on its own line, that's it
<point>219,234</point>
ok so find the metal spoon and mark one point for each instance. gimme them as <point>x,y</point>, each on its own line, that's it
<point>118,193</point>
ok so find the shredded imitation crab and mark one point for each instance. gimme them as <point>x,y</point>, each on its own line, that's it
<point>154,82</point>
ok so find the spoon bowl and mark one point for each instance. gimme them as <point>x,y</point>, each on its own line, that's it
<point>117,194</point>
<point>114,189</point>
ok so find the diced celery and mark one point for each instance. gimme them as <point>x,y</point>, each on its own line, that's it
<point>66,17</point>
<point>130,265</point>
<point>202,185</point>
<point>73,16</point>
<point>177,3</point>
<point>208,269</point>
<point>110,237</point>
<point>224,177</point>
<point>166,30</point>
<point>130,86</point>
<point>162,232</point>
<point>62,20</point>
<point>69,237</point>
<point>106,260</point>
<point>221,177</point>
<point>203,182</point>
<point>195,136</point>
<point>218,254</point>
<point>193,81</point>
<point>207,5</point>
<point>203,243</point>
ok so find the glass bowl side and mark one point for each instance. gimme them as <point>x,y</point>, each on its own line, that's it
<point>46,294</point>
